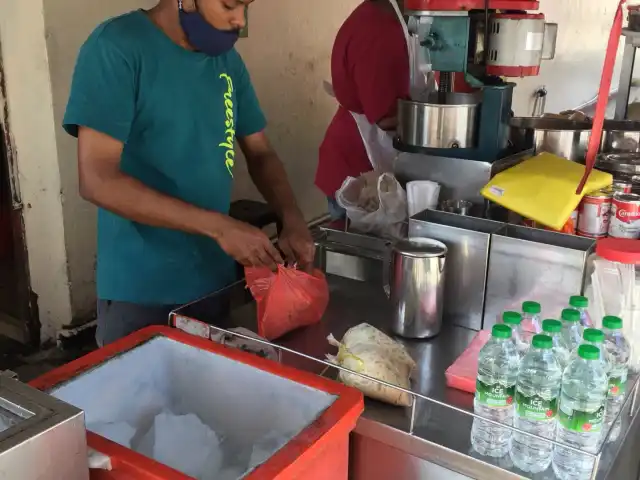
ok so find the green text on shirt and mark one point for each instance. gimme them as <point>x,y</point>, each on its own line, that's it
<point>230,132</point>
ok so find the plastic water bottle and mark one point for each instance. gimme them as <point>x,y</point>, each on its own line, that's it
<point>581,414</point>
<point>537,395</point>
<point>571,328</point>
<point>553,328</point>
<point>581,304</point>
<point>618,354</point>
<point>595,337</point>
<point>531,321</point>
<point>495,389</point>
<point>514,320</point>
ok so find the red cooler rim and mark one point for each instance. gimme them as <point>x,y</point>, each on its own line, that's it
<point>622,250</point>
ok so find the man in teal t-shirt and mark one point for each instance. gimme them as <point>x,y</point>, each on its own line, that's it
<point>157,101</point>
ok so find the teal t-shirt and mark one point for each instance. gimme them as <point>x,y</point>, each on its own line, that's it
<point>177,113</point>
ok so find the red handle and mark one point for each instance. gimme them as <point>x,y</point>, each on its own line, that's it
<point>603,95</point>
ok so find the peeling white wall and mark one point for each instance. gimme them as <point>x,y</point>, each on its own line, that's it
<point>68,24</point>
<point>32,123</point>
<point>287,52</point>
<point>573,76</point>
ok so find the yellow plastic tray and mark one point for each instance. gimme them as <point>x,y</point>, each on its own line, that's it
<point>543,188</point>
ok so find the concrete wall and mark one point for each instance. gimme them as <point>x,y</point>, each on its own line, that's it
<point>573,77</point>
<point>64,38</point>
<point>287,52</point>
<point>32,123</point>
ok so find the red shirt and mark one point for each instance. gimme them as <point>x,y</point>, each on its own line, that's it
<point>370,72</point>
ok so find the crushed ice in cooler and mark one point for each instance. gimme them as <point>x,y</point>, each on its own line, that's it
<point>186,444</point>
<point>183,442</point>
<point>170,395</point>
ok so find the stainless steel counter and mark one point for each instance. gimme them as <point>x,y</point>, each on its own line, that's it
<point>437,444</point>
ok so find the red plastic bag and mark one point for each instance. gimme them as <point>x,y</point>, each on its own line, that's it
<point>287,299</point>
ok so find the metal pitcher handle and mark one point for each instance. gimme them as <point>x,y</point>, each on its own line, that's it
<point>539,102</point>
<point>386,267</point>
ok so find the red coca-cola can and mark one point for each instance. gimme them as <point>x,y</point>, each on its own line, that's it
<point>572,224</point>
<point>625,216</point>
<point>593,214</point>
<point>621,187</point>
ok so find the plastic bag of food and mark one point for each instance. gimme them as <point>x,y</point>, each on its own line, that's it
<point>365,349</point>
<point>375,203</point>
<point>287,299</point>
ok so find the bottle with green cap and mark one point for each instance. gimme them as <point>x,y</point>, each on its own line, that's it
<point>571,327</point>
<point>531,321</point>
<point>581,304</point>
<point>498,363</point>
<point>581,414</point>
<point>537,395</point>
<point>618,351</point>
<point>553,328</point>
<point>514,320</point>
<point>595,337</point>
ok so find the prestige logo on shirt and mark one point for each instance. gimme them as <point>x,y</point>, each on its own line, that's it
<point>230,127</point>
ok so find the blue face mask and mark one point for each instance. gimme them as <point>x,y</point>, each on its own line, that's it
<point>204,37</point>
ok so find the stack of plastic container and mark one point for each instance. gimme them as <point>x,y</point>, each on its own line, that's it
<point>613,287</point>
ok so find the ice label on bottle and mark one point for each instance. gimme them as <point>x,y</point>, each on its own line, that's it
<point>579,421</point>
<point>495,395</point>
<point>536,407</point>
<point>617,386</point>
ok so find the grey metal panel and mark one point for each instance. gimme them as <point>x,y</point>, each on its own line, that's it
<point>531,264</point>
<point>375,460</point>
<point>468,240</point>
<point>48,444</point>
<point>459,179</point>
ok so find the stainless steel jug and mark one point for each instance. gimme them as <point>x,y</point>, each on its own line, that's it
<point>414,281</point>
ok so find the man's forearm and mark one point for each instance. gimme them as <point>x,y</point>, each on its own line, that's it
<point>269,176</point>
<point>131,199</point>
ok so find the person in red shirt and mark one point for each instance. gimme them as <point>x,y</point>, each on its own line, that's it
<point>370,72</point>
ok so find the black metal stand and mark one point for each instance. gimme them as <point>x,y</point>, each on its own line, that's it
<point>632,42</point>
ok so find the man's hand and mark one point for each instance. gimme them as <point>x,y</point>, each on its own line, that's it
<point>248,245</point>
<point>296,242</point>
<point>269,176</point>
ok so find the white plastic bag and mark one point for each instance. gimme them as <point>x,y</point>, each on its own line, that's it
<point>365,349</point>
<point>421,195</point>
<point>375,203</point>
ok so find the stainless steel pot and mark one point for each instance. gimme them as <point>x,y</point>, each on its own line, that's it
<point>415,285</point>
<point>625,168</point>
<point>447,121</point>
<point>570,139</point>
<point>620,136</point>
<point>566,138</point>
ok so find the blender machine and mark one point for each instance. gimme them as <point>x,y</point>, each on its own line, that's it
<point>458,135</point>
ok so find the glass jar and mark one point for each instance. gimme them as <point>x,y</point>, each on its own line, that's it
<point>613,287</point>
